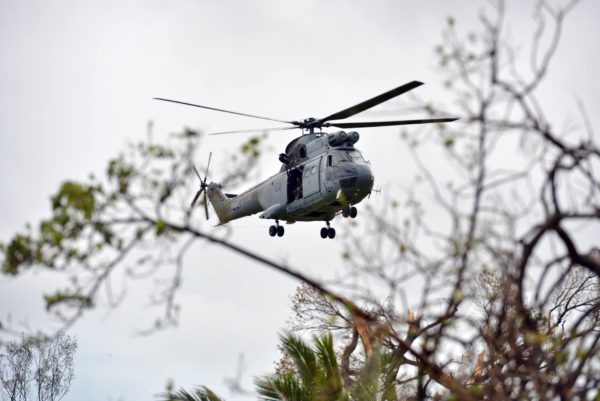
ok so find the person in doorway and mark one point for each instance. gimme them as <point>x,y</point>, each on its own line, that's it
<point>298,188</point>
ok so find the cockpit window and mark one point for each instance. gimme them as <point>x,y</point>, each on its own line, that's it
<point>356,156</point>
<point>342,157</point>
<point>348,156</point>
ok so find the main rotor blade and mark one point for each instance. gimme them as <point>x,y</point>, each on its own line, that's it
<point>222,110</point>
<point>254,130</point>
<point>205,205</point>
<point>196,197</point>
<point>367,104</point>
<point>389,123</point>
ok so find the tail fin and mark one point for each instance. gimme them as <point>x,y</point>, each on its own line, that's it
<point>219,202</point>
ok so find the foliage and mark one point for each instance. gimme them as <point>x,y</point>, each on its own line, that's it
<point>315,376</point>
<point>138,216</point>
<point>40,369</point>
<point>486,245</point>
<point>199,394</point>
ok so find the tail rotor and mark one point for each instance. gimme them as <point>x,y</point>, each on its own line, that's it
<point>203,186</point>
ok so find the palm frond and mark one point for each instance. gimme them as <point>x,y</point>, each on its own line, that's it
<point>391,365</point>
<point>303,356</point>
<point>370,384</point>
<point>202,393</point>
<point>283,387</point>
<point>330,384</point>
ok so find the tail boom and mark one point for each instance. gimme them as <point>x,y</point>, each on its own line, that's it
<point>228,209</point>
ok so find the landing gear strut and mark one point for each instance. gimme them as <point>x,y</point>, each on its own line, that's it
<point>349,212</point>
<point>327,231</point>
<point>276,230</point>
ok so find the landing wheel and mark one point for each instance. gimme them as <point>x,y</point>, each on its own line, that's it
<point>280,231</point>
<point>272,231</point>
<point>353,212</point>
<point>345,212</point>
<point>327,231</point>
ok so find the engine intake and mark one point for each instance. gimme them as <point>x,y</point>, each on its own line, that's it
<point>343,138</point>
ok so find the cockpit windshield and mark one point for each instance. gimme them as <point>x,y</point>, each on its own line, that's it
<point>352,156</point>
<point>355,156</point>
<point>342,157</point>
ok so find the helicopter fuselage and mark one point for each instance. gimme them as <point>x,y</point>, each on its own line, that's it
<point>321,175</point>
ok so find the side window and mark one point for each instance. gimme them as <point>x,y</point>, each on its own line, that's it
<point>313,170</point>
<point>303,151</point>
<point>329,160</point>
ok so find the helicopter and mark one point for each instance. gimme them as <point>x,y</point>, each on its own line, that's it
<point>322,174</point>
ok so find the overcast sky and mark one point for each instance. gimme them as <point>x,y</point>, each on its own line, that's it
<point>76,82</point>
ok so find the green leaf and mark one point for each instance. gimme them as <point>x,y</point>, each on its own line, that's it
<point>160,227</point>
<point>20,251</point>
<point>50,234</point>
<point>74,198</point>
<point>66,297</point>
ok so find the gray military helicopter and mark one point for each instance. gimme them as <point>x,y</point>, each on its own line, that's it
<point>322,174</point>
